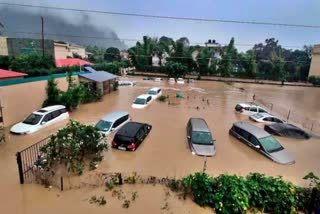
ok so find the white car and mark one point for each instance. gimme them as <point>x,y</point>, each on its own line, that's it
<point>142,101</point>
<point>172,80</point>
<point>155,92</point>
<point>249,109</point>
<point>265,118</point>
<point>126,83</point>
<point>158,79</point>
<point>112,122</point>
<point>180,81</point>
<point>40,119</point>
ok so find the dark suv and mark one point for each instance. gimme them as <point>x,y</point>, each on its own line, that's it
<point>131,135</point>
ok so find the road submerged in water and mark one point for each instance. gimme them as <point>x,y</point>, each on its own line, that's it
<point>165,151</point>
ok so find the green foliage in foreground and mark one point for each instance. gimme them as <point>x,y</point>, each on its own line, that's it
<point>72,145</point>
<point>237,194</point>
<point>315,80</point>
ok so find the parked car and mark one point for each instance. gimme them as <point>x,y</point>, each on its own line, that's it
<point>131,135</point>
<point>286,130</point>
<point>155,92</point>
<point>142,101</point>
<point>266,118</point>
<point>190,80</point>
<point>199,137</point>
<point>148,78</point>
<point>172,80</point>
<point>158,79</point>
<point>261,141</point>
<point>249,109</point>
<point>112,122</point>
<point>40,119</point>
<point>126,83</point>
<point>180,81</point>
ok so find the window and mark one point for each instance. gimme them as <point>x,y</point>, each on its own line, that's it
<point>32,119</point>
<point>103,125</point>
<point>270,144</point>
<point>277,120</point>
<point>254,109</point>
<point>247,108</point>
<point>140,101</point>
<point>148,99</point>
<point>159,91</point>
<point>254,141</point>
<point>262,110</point>
<point>203,138</point>
<point>270,119</point>
<point>55,114</point>
<point>62,111</point>
<point>116,123</point>
<point>47,118</point>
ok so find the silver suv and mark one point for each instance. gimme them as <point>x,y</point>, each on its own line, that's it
<point>261,141</point>
<point>199,137</point>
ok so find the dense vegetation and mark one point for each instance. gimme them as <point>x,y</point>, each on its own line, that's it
<point>236,194</point>
<point>73,145</point>
<point>314,80</point>
<point>266,60</point>
<point>75,94</point>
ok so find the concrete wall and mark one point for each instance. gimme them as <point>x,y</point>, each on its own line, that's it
<point>315,62</point>
<point>3,46</point>
<point>19,100</point>
<point>60,52</point>
<point>18,46</point>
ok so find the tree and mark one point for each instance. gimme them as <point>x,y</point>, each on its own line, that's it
<point>277,68</point>
<point>112,54</point>
<point>175,69</point>
<point>53,93</point>
<point>204,60</point>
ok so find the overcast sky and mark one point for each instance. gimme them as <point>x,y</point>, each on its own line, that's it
<point>305,12</point>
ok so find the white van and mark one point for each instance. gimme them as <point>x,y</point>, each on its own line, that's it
<point>112,122</point>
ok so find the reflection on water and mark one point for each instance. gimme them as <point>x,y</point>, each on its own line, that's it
<point>165,151</point>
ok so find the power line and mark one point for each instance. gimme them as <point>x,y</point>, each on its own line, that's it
<point>166,17</point>
<point>128,39</point>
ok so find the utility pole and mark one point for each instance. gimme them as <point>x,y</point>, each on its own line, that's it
<point>42,36</point>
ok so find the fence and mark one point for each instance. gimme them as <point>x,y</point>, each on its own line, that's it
<point>308,124</point>
<point>26,160</point>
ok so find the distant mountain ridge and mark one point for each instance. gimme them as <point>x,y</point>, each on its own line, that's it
<point>57,28</point>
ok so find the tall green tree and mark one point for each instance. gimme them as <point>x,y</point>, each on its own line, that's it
<point>112,54</point>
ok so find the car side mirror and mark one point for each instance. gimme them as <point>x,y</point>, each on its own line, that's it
<point>188,137</point>
<point>43,123</point>
<point>257,146</point>
<point>112,129</point>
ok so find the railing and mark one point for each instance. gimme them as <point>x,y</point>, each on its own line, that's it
<point>27,158</point>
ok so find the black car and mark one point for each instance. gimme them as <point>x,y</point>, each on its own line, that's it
<point>131,135</point>
<point>286,130</point>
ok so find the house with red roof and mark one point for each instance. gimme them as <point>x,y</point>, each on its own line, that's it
<point>6,74</point>
<point>71,62</point>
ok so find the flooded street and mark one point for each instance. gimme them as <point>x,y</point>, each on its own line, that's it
<point>165,151</point>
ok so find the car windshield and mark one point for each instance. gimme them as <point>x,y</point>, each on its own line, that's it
<point>202,138</point>
<point>270,144</point>
<point>33,119</point>
<point>152,92</point>
<point>103,125</point>
<point>180,79</point>
<point>140,101</point>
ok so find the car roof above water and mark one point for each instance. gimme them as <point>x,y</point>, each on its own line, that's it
<point>111,117</point>
<point>144,96</point>
<point>154,89</point>
<point>49,109</point>
<point>254,130</point>
<point>199,124</point>
<point>130,129</point>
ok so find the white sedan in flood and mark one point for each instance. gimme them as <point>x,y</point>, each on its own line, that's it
<point>155,92</point>
<point>180,81</point>
<point>40,119</point>
<point>142,101</point>
<point>266,118</point>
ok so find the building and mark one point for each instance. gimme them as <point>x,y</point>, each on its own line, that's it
<point>124,54</point>
<point>6,75</point>
<point>18,46</point>
<point>98,80</point>
<point>63,50</point>
<point>315,62</point>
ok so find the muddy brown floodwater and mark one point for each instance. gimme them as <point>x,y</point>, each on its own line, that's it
<point>165,152</point>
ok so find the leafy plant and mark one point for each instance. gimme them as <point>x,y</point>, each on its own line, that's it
<point>72,144</point>
<point>115,85</point>
<point>100,200</point>
<point>134,195</point>
<point>162,98</point>
<point>126,204</point>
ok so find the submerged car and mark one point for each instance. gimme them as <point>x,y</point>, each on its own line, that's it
<point>112,122</point>
<point>126,83</point>
<point>265,118</point>
<point>131,135</point>
<point>172,80</point>
<point>286,130</point>
<point>249,108</point>
<point>180,81</point>
<point>40,119</point>
<point>261,141</point>
<point>142,101</point>
<point>158,79</point>
<point>199,137</point>
<point>155,92</point>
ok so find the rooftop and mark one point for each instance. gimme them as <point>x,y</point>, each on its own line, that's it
<point>114,116</point>
<point>99,76</point>
<point>199,124</point>
<point>6,74</point>
<point>71,62</point>
<point>256,131</point>
<point>130,129</point>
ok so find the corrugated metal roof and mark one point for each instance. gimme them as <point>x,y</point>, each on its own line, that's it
<point>99,76</point>
<point>71,62</point>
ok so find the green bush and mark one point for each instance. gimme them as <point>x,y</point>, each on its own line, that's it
<point>270,194</point>
<point>315,80</point>
<point>230,194</point>
<point>72,144</point>
<point>162,98</point>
